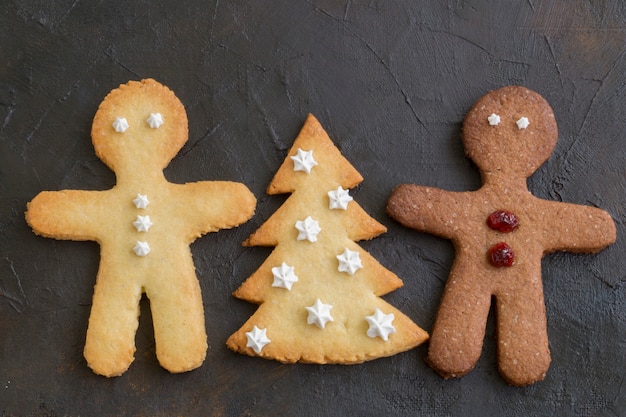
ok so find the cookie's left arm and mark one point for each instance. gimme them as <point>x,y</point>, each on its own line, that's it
<point>577,228</point>
<point>213,205</point>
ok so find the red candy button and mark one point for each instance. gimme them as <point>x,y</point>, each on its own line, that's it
<point>501,255</point>
<point>503,220</point>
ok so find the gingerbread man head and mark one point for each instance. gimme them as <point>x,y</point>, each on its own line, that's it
<point>139,124</point>
<point>522,133</point>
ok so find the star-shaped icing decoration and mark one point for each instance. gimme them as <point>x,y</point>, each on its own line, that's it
<point>120,124</point>
<point>349,261</point>
<point>142,224</point>
<point>257,339</point>
<point>319,314</point>
<point>308,229</point>
<point>494,119</point>
<point>141,248</point>
<point>339,198</point>
<point>155,120</point>
<point>284,276</point>
<point>380,325</point>
<point>141,201</point>
<point>523,123</point>
<point>303,161</point>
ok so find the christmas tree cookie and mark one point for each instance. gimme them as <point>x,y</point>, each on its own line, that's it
<point>318,291</point>
<point>144,226</point>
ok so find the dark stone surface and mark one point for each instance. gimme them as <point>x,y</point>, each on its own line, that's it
<point>390,82</point>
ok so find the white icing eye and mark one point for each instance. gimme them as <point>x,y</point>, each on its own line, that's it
<point>494,119</point>
<point>257,339</point>
<point>380,325</point>
<point>303,161</point>
<point>155,120</point>
<point>523,123</point>
<point>120,124</point>
<point>319,314</point>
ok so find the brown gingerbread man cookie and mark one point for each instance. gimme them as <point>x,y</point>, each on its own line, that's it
<point>500,233</point>
<point>144,226</point>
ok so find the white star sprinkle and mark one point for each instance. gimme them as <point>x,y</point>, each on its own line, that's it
<point>380,325</point>
<point>257,339</point>
<point>155,120</point>
<point>319,314</point>
<point>142,224</point>
<point>120,124</point>
<point>308,229</point>
<point>339,199</point>
<point>494,119</point>
<point>284,276</point>
<point>349,261</point>
<point>141,201</point>
<point>303,161</point>
<point>141,248</point>
<point>523,122</point>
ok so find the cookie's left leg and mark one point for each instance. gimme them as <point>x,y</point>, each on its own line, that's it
<point>523,352</point>
<point>178,318</point>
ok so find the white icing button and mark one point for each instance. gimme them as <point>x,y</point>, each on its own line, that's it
<point>142,224</point>
<point>494,119</point>
<point>303,161</point>
<point>284,276</point>
<point>380,325</point>
<point>120,124</point>
<point>319,314</point>
<point>308,229</point>
<point>349,261</point>
<point>523,122</point>
<point>155,120</point>
<point>339,199</point>
<point>141,201</point>
<point>141,248</point>
<point>257,339</point>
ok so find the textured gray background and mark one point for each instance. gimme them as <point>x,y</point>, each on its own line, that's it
<point>390,81</point>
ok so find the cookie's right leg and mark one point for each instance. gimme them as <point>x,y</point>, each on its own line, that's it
<point>110,344</point>
<point>457,336</point>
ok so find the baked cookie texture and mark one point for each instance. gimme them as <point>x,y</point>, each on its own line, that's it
<point>318,291</point>
<point>509,133</point>
<point>144,226</point>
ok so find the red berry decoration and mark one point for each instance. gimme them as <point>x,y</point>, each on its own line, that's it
<point>503,220</point>
<point>501,254</point>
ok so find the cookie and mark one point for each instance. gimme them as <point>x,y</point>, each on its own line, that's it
<point>144,226</point>
<point>318,291</point>
<point>500,233</point>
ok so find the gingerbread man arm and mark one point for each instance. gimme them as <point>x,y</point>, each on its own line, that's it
<point>67,214</point>
<point>576,228</point>
<point>209,206</point>
<point>425,209</point>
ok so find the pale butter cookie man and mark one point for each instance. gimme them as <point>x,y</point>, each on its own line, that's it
<point>144,226</point>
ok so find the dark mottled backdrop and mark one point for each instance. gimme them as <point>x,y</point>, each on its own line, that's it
<point>391,82</point>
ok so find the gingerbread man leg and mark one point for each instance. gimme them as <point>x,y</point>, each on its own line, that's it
<point>520,311</point>
<point>455,344</point>
<point>110,344</point>
<point>178,318</point>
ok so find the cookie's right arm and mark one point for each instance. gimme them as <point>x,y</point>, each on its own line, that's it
<point>63,215</point>
<point>424,209</point>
